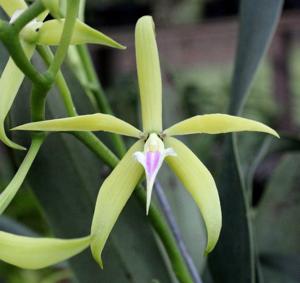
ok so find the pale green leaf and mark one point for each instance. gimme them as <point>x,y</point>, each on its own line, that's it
<point>35,253</point>
<point>217,124</point>
<point>112,197</point>
<point>92,122</point>
<point>10,6</point>
<point>51,31</point>
<point>148,69</point>
<point>200,184</point>
<point>10,191</point>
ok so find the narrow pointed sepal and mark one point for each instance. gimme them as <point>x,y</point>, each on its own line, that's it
<point>51,31</point>
<point>10,82</point>
<point>92,122</point>
<point>36,253</point>
<point>7,195</point>
<point>152,159</point>
<point>217,124</point>
<point>149,76</point>
<point>200,184</point>
<point>113,195</point>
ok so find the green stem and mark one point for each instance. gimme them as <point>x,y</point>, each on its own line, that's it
<point>28,15</point>
<point>11,190</point>
<point>47,56</point>
<point>12,43</point>
<point>92,77</point>
<point>98,93</point>
<point>72,11</point>
<point>162,229</point>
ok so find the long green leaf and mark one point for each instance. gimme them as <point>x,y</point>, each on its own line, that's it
<point>258,20</point>
<point>277,223</point>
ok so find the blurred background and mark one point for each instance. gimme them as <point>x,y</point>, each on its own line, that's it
<point>197,45</point>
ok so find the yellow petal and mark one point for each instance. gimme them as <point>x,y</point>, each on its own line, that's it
<point>217,124</point>
<point>10,6</point>
<point>10,191</point>
<point>92,122</point>
<point>35,253</point>
<point>10,82</point>
<point>149,76</point>
<point>51,31</point>
<point>200,184</point>
<point>112,197</point>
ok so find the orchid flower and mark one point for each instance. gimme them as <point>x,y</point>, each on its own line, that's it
<point>154,145</point>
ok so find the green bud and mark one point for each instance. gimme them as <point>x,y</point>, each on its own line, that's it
<point>51,31</point>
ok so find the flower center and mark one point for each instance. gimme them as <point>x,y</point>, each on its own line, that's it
<point>152,159</point>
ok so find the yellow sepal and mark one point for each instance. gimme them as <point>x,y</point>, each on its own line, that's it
<point>92,122</point>
<point>149,76</point>
<point>10,82</point>
<point>200,184</point>
<point>112,197</point>
<point>36,253</point>
<point>217,124</point>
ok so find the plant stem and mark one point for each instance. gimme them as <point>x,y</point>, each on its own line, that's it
<point>176,232</point>
<point>71,16</point>
<point>28,15</point>
<point>98,93</point>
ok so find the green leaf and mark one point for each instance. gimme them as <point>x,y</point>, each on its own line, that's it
<point>66,178</point>
<point>286,265</point>
<point>280,208</point>
<point>258,20</point>
<point>278,243</point>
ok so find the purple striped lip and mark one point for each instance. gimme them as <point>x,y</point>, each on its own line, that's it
<point>152,161</point>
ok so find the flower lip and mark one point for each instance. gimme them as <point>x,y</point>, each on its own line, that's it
<point>151,159</point>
